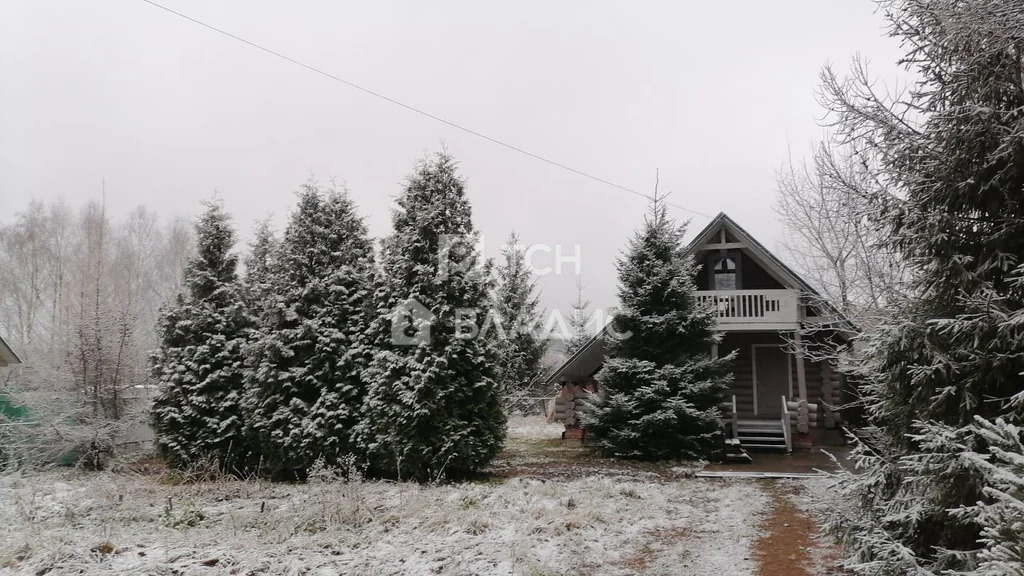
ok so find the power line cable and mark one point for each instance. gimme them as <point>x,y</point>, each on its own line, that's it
<point>410,107</point>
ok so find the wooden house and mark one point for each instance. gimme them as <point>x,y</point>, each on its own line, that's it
<point>786,386</point>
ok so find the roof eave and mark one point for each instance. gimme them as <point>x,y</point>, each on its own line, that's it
<point>7,354</point>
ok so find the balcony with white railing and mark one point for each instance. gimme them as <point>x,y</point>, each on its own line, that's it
<point>753,309</point>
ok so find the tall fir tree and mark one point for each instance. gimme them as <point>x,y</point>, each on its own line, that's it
<point>660,387</point>
<point>580,324</point>
<point>433,407</point>
<point>199,366</point>
<point>304,389</point>
<point>950,361</point>
<point>517,305</point>
<point>260,266</point>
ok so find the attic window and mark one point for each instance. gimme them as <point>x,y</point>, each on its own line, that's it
<point>725,274</point>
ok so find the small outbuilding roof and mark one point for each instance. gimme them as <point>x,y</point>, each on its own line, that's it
<point>585,362</point>
<point>7,355</point>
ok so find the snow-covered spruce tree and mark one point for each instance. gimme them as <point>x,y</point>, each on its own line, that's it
<point>580,322</point>
<point>517,306</point>
<point>304,389</point>
<point>660,387</point>
<point>993,452</point>
<point>198,366</point>
<point>1001,513</point>
<point>259,266</point>
<point>434,408</point>
<point>953,150</point>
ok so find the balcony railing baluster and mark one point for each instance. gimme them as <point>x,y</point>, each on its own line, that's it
<point>751,306</point>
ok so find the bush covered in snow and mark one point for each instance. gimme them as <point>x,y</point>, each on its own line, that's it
<point>305,362</point>
<point>518,315</point>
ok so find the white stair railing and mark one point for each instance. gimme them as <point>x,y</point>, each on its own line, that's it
<point>785,425</point>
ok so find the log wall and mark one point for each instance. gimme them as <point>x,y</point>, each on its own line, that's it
<point>569,401</point>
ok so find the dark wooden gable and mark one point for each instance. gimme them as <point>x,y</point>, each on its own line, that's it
<point>752,275</point>
<point>756,268</point>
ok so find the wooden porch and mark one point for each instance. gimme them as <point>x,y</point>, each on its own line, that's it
<point>759,433</point>
<point>770,366</point>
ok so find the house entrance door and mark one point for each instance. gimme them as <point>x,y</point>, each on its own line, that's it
<point>772,379</point>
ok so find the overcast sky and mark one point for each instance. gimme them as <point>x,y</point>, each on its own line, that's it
<point>714,94</point>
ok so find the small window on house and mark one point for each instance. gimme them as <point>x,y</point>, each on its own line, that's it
<point>725,274</point>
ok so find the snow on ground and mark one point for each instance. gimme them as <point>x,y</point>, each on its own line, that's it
<point>533,428</point>
<point>71,522</point>
<point>60,523</point>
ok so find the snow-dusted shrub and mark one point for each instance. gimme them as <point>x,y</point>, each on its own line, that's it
<point>517,309</point>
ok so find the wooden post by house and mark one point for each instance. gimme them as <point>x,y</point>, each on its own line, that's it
<point>801,375</point>
<point>829,391</point>
<point>803,411</point>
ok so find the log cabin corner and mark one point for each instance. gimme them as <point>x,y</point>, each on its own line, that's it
<point>787,388</point>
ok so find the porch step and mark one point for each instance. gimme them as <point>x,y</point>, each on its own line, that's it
<point>749,440</point>
<point>754,433</point>
<point>764,434</point>
<point>778,430</point>
<point>760,424</point>
<point>734,451</point>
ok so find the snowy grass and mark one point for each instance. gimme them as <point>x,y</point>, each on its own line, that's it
<point>533,428</point>
<point>68,522</point>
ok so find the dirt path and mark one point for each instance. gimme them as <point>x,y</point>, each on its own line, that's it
<point>789,544</point>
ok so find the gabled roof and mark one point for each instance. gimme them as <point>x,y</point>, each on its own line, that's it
<point>784,274</point>
<point>778,268</point>
<point>7,356</point>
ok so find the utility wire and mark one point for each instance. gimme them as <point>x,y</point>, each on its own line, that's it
<point>410,107</point>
